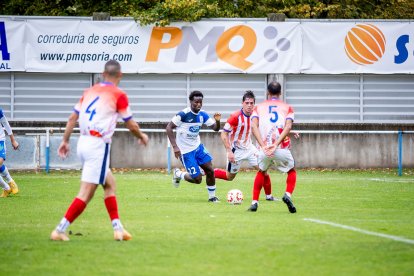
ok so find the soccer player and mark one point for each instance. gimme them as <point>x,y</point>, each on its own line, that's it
<point>6,181</point>
<point>236,137</point>
<point>271,122</point>
<point>98,110</point>
<point>187,146</point>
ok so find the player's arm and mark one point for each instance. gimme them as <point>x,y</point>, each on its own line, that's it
<point>295,134</point>
<point>136,131</point>
<point>5,123</point>
<point>216,125</point>
<point>286,130</point>
<point>64,149</point>
<point>225,139</point>
<point>256,131</point>
<point>13,141</point>
<point>169,129</point>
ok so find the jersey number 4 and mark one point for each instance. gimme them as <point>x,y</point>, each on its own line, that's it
<point>273,113</point>
<point>89,109</point>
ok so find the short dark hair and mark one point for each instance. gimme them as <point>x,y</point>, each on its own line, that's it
<point>112,68</point>
<point>249,94</point>
<point>274,88</point>
<point>195,93</point>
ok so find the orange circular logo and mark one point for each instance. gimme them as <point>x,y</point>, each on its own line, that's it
<point>365,44</point>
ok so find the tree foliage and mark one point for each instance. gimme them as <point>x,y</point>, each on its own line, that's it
<point>166,11</point>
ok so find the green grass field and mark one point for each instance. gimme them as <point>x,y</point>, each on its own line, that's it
<point>177,232</point>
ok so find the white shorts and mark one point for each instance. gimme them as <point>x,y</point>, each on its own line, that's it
<point>282,159</point>
<point>240,155</point>
<point>94,155</point>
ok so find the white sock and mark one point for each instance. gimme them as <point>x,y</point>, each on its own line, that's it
<point>288,194</point>
<point>63,225</point>
<point>4,185</point>
<point>254,202</point>
<point>182,175</point>
<point>269,196</point>
<point>117,225</point>
<point>6,175</point>
<point>211,191</point>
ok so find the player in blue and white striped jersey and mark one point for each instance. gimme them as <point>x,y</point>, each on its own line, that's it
<point>8,186</point>
<point>187,146</point>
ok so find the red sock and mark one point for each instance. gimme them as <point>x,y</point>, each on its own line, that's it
<point>267,185</point>
<point>75,209</point>
<point>258,184</point>
<point>112,207</point>
<point>291,181</point>
<point>221,174</point>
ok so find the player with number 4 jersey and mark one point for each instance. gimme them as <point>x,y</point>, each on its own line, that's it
<point>98,111</point>
<point>99,108</point>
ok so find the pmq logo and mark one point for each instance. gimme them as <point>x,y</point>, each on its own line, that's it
<point>218,43</point>
<point>365,44</point>
<point>5,55</point>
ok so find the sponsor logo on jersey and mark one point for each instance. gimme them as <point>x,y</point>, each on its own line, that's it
<point>194,129</point>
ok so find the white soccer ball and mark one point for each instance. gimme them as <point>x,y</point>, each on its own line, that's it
<point>235,196</point>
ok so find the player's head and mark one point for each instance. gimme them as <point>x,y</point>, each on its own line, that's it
<point>196,100</point>
<point>112,71</point>
<point>274,89</point>
<point>248,102</point>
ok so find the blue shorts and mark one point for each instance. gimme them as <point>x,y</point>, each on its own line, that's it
<point>193,159</point>
<point>3,150</point>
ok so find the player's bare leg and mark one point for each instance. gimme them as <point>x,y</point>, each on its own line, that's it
<point>179,175</point>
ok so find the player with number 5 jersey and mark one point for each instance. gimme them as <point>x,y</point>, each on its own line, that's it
<point>271,123</point>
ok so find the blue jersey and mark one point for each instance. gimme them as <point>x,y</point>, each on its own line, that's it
<point>188,128</point>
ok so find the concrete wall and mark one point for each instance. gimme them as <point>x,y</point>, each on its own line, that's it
<point>311,150</point>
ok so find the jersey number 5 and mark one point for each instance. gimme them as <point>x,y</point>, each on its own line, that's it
<point>89,109</point>
<point>273,113</point>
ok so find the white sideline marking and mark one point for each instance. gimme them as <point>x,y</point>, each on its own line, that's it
<point>395,238</point>
<point>392,180</point>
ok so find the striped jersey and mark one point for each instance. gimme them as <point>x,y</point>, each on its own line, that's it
<point>272,115</point>
<point>99,109</point>
<point>238,126</point>
<point>188,128</point>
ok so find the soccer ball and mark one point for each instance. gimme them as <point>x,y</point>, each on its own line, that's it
<point>235,196</point>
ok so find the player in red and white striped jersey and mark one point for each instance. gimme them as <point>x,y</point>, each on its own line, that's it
<point>236,137</point>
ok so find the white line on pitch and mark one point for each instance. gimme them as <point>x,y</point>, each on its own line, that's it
<point>396,238</point>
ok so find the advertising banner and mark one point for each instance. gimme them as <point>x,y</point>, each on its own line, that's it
<point>12,41</point>
<point>81,46</point>
<point>222,47</point>
<point>253,47</point>
<point>377,48</point>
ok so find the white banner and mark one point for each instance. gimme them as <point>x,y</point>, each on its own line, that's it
<point>222,47</point>
<point>203,47</point>
<point>378,48</point>
<point>81,46</point>
<point>208,47</point>
<point>12,46</point>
